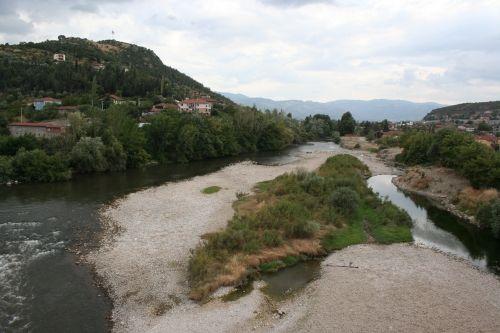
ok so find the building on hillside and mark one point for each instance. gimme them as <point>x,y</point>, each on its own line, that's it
<point>67,108</point>
<point>40,103</point>
<point>97,66</point>
<point>46,130</point>
<point>157,108</point>
<point>60,57</point>
<point>117,99</point>
<point>196,105</point>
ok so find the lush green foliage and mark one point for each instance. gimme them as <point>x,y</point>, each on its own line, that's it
<point>321,127</point>
<point>489,216</point>
<point>333,205</point>
<point>177,137</point>
<point>347,124</point>
<point>37,166</point>
<point>131,70</point>
<point>88,155</point>
<point>456,150</point>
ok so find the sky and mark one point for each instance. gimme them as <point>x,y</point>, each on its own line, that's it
<point>446,51</point>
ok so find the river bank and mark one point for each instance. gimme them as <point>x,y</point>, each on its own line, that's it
<point>445,189</point>
<point>144,264</point>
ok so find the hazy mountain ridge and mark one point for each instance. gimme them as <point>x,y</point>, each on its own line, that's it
<point>377,109</point>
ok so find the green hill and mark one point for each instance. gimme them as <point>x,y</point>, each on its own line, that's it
<point>119,68</point>
<point>464,111</point>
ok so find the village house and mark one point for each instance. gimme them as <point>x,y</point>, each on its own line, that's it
<point>40,103</point>
<point>59,57</point>
<point>117,99</point>
<point>97,66</point>
<point>157,108</point>
<point>46,130</point>
<point>196,105</point>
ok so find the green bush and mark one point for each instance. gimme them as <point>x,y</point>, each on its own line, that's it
<point>345,200</point>
<point>9,145</point>
<point>301,229</point>
<point>6,171</point>
<point>272,238</point>
<point>89,155</point>
<point>36,166</point>
<point>313,184</point>
<point>489,216</point>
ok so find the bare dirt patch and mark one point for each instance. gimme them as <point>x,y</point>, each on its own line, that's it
<point>357,142</point>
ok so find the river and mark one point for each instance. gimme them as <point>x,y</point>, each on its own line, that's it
<point>42,289</point>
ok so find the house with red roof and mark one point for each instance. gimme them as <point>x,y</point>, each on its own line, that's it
<point>46,130</point>
<point>196,105</point>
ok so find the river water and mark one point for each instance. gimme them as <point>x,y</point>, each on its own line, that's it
<point>42,289</point>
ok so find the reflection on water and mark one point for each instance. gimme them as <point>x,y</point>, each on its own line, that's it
<point>438,229</point>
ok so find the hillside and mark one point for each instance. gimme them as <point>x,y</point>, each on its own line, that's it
<point>120,68</point>
<point>464,111</point>
<point>377,109</point>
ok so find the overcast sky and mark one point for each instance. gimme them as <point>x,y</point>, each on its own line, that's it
<point>446,51</point>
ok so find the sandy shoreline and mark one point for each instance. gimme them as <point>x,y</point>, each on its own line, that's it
<point>144,265</point>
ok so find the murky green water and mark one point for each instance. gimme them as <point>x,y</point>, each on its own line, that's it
<point>41,287</point>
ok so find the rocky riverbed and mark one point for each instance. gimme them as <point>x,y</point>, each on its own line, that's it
<point>143,263</point>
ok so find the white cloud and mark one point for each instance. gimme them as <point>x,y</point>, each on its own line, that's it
<point>442,50</point>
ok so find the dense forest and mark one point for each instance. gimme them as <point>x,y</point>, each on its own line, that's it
<point>126,69</point>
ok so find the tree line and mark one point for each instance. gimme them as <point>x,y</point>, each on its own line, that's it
<point>111,140</point>
<point>453,149</point>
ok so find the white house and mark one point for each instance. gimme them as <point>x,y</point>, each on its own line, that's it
<point>198,105</point>
<point>59,57</point>
<point>40,103</point>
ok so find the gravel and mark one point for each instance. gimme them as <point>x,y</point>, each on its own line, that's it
<point>143,262</point>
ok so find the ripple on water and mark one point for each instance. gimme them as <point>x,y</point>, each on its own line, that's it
<point>22,243</point>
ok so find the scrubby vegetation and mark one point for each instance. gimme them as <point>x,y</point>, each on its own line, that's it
<point>455,150</point>
<point>296,214</point>
<point>489,216</point>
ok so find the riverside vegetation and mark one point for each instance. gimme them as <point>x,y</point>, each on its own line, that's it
<point>459,151</point>
<point>295,216</point>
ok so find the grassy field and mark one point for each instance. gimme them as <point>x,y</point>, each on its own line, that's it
<point>294,217</point>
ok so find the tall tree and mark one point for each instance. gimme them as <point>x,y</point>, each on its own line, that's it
<point>347,124</point>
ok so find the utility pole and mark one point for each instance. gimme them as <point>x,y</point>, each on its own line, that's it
<point>21,114</point>
<point>162,84</point>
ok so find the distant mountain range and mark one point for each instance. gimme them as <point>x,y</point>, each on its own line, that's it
<point>376,109</point>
